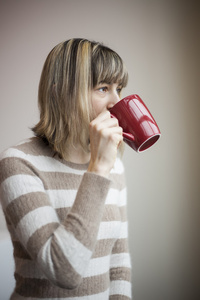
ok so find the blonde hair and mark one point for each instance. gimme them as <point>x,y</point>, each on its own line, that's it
<point>70,71</point>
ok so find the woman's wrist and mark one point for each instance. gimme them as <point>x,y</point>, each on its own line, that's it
<point>98,169</point>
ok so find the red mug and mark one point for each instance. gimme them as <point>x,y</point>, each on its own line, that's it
<point>140,130</point>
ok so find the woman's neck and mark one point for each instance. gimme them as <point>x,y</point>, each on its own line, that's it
<point>78,155</point>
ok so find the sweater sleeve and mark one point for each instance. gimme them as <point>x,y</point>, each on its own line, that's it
<point>61,250</point>
<point>120,272</point>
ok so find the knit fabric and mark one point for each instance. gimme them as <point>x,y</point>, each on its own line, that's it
<point>68,226</point>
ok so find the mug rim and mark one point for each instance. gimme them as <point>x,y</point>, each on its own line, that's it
<point>155,136</point>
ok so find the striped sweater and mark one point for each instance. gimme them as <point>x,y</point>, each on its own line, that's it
<point>68,226</point>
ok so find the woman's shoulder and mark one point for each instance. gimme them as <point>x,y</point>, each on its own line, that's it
<point>27,154</point>
<point>36,155</point>
<point>31,146</point>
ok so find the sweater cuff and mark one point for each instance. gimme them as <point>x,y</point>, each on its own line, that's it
<point>91,196</point>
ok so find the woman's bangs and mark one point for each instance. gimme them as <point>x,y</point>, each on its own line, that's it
<point>109,68</point>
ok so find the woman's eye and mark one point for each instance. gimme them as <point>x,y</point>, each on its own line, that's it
<point>103,89</point>
<point>119,90</point>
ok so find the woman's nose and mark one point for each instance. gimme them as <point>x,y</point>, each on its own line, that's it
<point>114,98</point>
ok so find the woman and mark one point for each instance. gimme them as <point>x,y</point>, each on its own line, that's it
<point>63,191</point>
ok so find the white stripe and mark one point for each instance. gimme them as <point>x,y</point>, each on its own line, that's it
<point>61,198</point>
<point>11,152</point>
<point>120,260</point>
<point>18,185</point>
<point>118,167</point>
<point>112,230</point>
<point>34,220</point>
<point>75,252</point>
<point>45,262</point>
<point>42,163</point>
<point>100,296</point>
<point>109,230</point>
<point>28,268</point>
<point>120,287</point>
<point>117,197</point>
<point>123,234</point>
<point>65,198</point>
<point>113,197</point>
<point>98,266</point>
<point>123,198</point>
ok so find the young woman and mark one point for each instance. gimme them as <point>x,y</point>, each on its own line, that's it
<point>63,191</point>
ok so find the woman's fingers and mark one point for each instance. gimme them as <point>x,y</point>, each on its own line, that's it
<point>105,137</point>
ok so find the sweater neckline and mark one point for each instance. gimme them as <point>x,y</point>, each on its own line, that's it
<point>72,165</point>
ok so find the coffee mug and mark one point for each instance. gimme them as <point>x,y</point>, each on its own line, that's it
<point>140,130</point>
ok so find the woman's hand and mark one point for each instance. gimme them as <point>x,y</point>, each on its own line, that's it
<point>105,138</point>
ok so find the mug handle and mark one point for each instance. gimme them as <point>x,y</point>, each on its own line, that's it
<point>126,135</point>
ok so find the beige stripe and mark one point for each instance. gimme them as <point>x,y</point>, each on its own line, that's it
<point>83,220</point>
<point>111,212</point>
<point>121,246</point>
<point>19,251</point>
<point>18,208</point>
<point>118,181</point>
<point>34,146</point>
<point>99,296</point>
<point>123,213</point>
<point>60,180</point>
<point>27,268</point>
<point>118,297</point>
<point>36,287</point>
<point>9,224</point>
<point>103,247</point>
<point>39,238</point>
<point>25,141</point>
<point>122,273</point>
<point>30,269</point>
<point>12,232</point>
<point>12,166</point>
<point>62,213</point>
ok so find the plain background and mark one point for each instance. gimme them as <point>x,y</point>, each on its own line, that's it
<point>159,42</point>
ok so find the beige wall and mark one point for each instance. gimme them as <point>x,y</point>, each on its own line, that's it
<point>160,45</point>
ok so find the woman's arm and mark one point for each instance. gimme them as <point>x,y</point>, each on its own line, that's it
<point>62,250</point>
